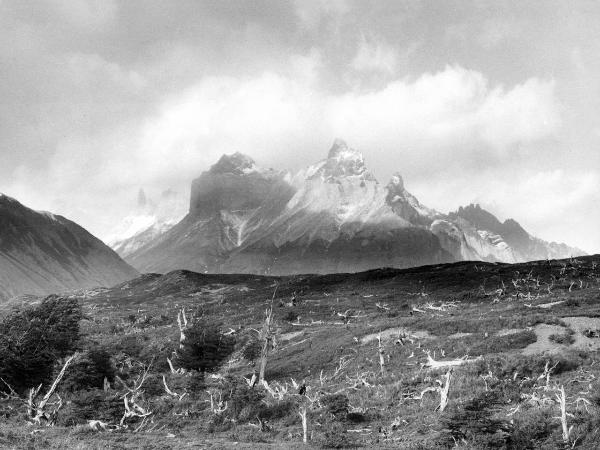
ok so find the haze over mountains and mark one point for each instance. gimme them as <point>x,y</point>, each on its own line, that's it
<point>150,218</point>
<point>333,216</point>
<point>42,253</point>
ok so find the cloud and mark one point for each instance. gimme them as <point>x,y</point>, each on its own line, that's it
<point>90,15</point>
<point>375,56</point>
<point>454,111</point>
<point>282,121</point>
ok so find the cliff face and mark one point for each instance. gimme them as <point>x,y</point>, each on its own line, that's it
<point>334,216</point>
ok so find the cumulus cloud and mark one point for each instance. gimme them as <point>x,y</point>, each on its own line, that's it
<point>284,121</point>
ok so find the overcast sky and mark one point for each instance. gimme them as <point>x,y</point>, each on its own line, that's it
<point>485,101</point>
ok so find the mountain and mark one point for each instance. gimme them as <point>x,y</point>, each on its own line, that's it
<point>149,219</point>
<point>333,216</point>
<point>43,253</point>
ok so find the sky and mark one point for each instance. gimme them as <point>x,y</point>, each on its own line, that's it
<point>494,102</point>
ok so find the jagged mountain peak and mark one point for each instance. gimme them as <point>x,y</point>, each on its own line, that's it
<point>236,163</point>
<point>332,216</point>
<point>396,183</point>
<point>342,161</point>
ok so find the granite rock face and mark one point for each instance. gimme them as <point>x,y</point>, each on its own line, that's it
<point>333,216</point>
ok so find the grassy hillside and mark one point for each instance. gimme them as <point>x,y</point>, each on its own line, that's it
<point>516,335</point>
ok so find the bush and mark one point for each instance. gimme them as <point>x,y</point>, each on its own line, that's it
<point>251,350</point>
<point>566,338</point>
<point>245,403</point>
<point>94,404</point>
<point>205,348</point>
<point>475,421</point>
<point>89,371</point>
<point>336,404</point>
<point>528,366</point>
<point>336,436</point>
<point>130,346</point>
<point>531,429</point>
<point>32,340</point>
<point>291,316</point>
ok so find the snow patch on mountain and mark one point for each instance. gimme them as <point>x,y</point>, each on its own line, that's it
<point>149,220</point>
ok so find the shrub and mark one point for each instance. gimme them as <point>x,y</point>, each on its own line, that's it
<point>291,316</point>
<point>336,404</point>
<point>130,346</point>
<point>475,421</point>
<point>205,348</point>
<point>94,404</point>
<point>251,350</point>
<point>531,429</point>
<point>336,436</point>
<point>245,403</point>
<point>32,340</point>
<point>89,371</point>
<point>566,338</point>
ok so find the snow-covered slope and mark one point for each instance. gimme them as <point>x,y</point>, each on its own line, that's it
<point>332,216</point>
<point>149,220</point>
<point>43,253</point>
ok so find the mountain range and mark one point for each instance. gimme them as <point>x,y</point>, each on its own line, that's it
<point>333,216</point>
<point>43,253</point>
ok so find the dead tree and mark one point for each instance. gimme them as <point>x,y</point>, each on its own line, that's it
<point>217,406</point>
<point>433,364</point>
<point>566,431</point>
<point>303,412</point>
<point>444,389</point>
<point>172,393</point>
<point>381,352</point>
<point>37,411</point>
<point>266,336</point>
<point>132,407</point>
<point>183,324</point>
<point>306,404</point>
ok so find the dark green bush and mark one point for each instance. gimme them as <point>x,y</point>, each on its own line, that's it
<point>205,348</point>
<point>336,404</point>
<point>251,351</point>
<point>89,370</point>
<point>531,428</point>
<point>336,436</point>
<point>475,420</point>
<point>94,404</point>
<point>34,339</point>
<point>291,316</point>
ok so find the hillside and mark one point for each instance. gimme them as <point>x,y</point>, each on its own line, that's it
<point>43,253</point>
<point>515,332</point>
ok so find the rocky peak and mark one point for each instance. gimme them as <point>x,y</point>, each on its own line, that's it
<point>343,161</point>
<point>396,184</point>
<point>236,163</point>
